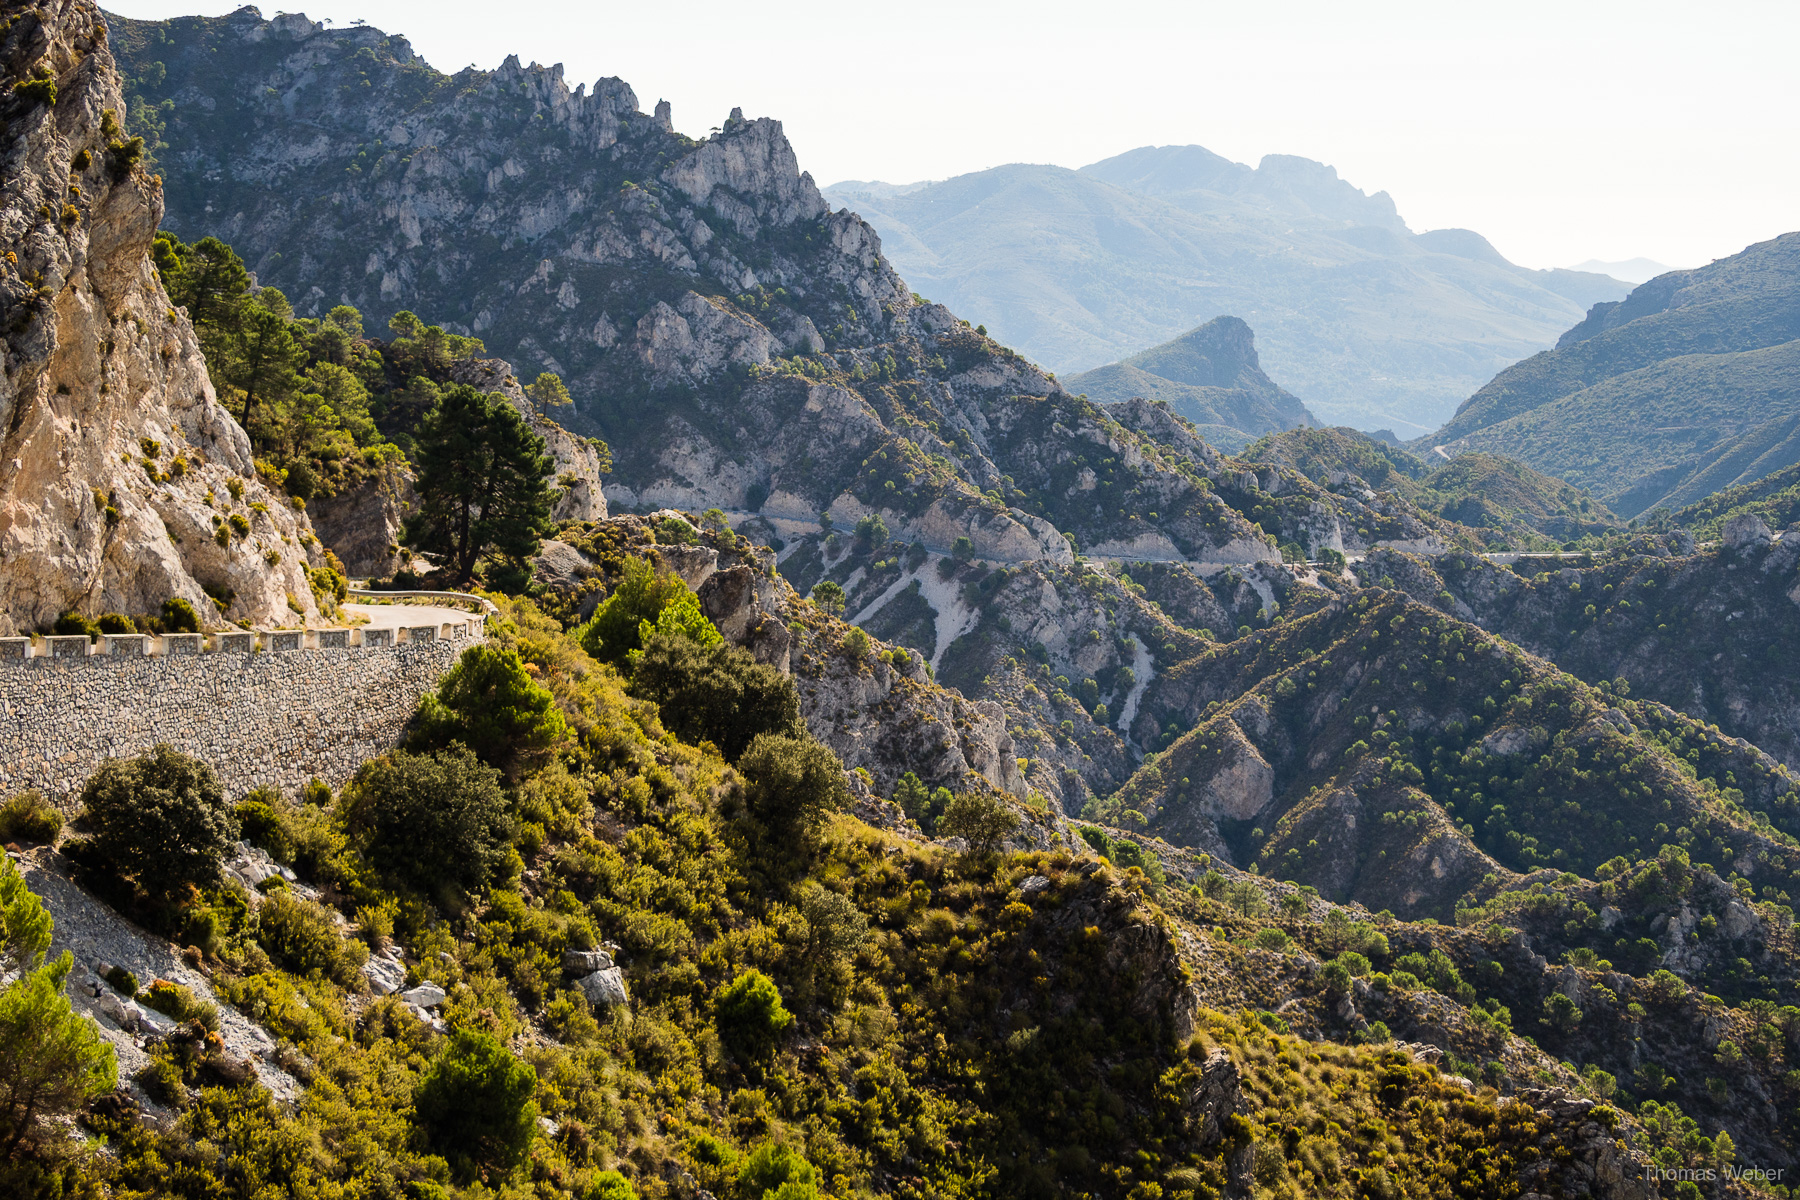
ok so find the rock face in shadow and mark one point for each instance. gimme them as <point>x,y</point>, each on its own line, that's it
<point>362,526</point>
<point>123,481</point>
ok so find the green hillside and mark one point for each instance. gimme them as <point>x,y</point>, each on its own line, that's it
<point>1688,386</point>
<point>1211,376</point>
<point>1514,506</point>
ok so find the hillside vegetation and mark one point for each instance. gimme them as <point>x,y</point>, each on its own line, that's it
<point>1512,505</point>
<point>1688,386</point>
<point>1209,376</point>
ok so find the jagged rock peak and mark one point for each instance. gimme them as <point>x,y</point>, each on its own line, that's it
<point>123,481</point>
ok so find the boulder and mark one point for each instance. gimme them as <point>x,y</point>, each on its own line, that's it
<point>604,987</point>
<point>1216,1097</point>
<point>426,995</point>
<point>585,962</point>
<point>1745,530</point>
<point>385,975</point>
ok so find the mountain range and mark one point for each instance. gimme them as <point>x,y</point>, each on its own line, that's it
<point>926,779</point>
<point>1368,323</point>
<point>1688,386</point>
<point>1210,376</point>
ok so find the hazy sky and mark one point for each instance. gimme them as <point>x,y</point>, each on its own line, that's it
<point>1561,130</point>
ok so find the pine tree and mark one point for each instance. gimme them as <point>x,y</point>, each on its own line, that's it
<point>482,483</point>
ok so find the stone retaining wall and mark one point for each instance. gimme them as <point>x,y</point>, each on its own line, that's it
<point>276,717</point>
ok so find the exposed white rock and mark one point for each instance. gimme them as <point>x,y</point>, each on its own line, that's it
<point>385,976</point>
<point>426,995</point>
<point>606,986</point>
<point>586,962</point>
<point>116,455</point>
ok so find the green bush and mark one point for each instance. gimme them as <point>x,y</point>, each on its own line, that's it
<point>489,702</point>
<point>160,819</point>
<point>434,823</point>
<point>259,817</point>
<point>792,785</point>
<point>979,818</point>
<point>474,1105</point>
<point>115,623</point>
<point>719,694</point>
<point>750,1015</point>
<point>178,616</point>
<point>637,609</point>
<point>774,1171</point>
<point>830,597</point>
<point>610,1185</point>
<point>923,805</point>
<point>300,936</point>
<point>123,982</point>
<point>28,817</point>
<point>179,1001</point>
<point>72,623</point>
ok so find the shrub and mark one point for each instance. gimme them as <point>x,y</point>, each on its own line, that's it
<point>300,936</point>
<point>432,822</point>
<point>719,694</point>
<point>636,609</point>
<point>160,818</point>
<point>1273,938</point>
<point>115,623</point>
<point>1561,1012</point>
<point>178,616</point>
<point>980,819</point>
<point>474,1104</point>
<point>72,623</point>
<point>776,1172</point>
<point>489,702</point>
<point>856,644</point>
<point>750,1015</point>
<point>179,1001</point>
<point>259,818</point>
<point>610,1185</point>
<point>123,982</point>
<point>792,784</point>
<point>28,817</point>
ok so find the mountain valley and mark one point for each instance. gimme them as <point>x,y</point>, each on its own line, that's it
<point>1368,323</point>
<point>877,765</point>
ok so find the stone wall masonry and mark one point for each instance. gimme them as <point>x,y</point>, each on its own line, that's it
<point>263,716</point>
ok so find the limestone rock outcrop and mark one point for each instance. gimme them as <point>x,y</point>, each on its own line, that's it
<point>123,481</point>
<point>577,462</point>
<point>362,525</point>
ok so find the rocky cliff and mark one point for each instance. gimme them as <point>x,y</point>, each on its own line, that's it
<point>123,482</point>
<point>736,342</point>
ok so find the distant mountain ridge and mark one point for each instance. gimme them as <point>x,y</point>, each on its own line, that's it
<point>1210,376</point>
<point>1631,270</point>
<point>1366,322</point>
<point>1688,386</point>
